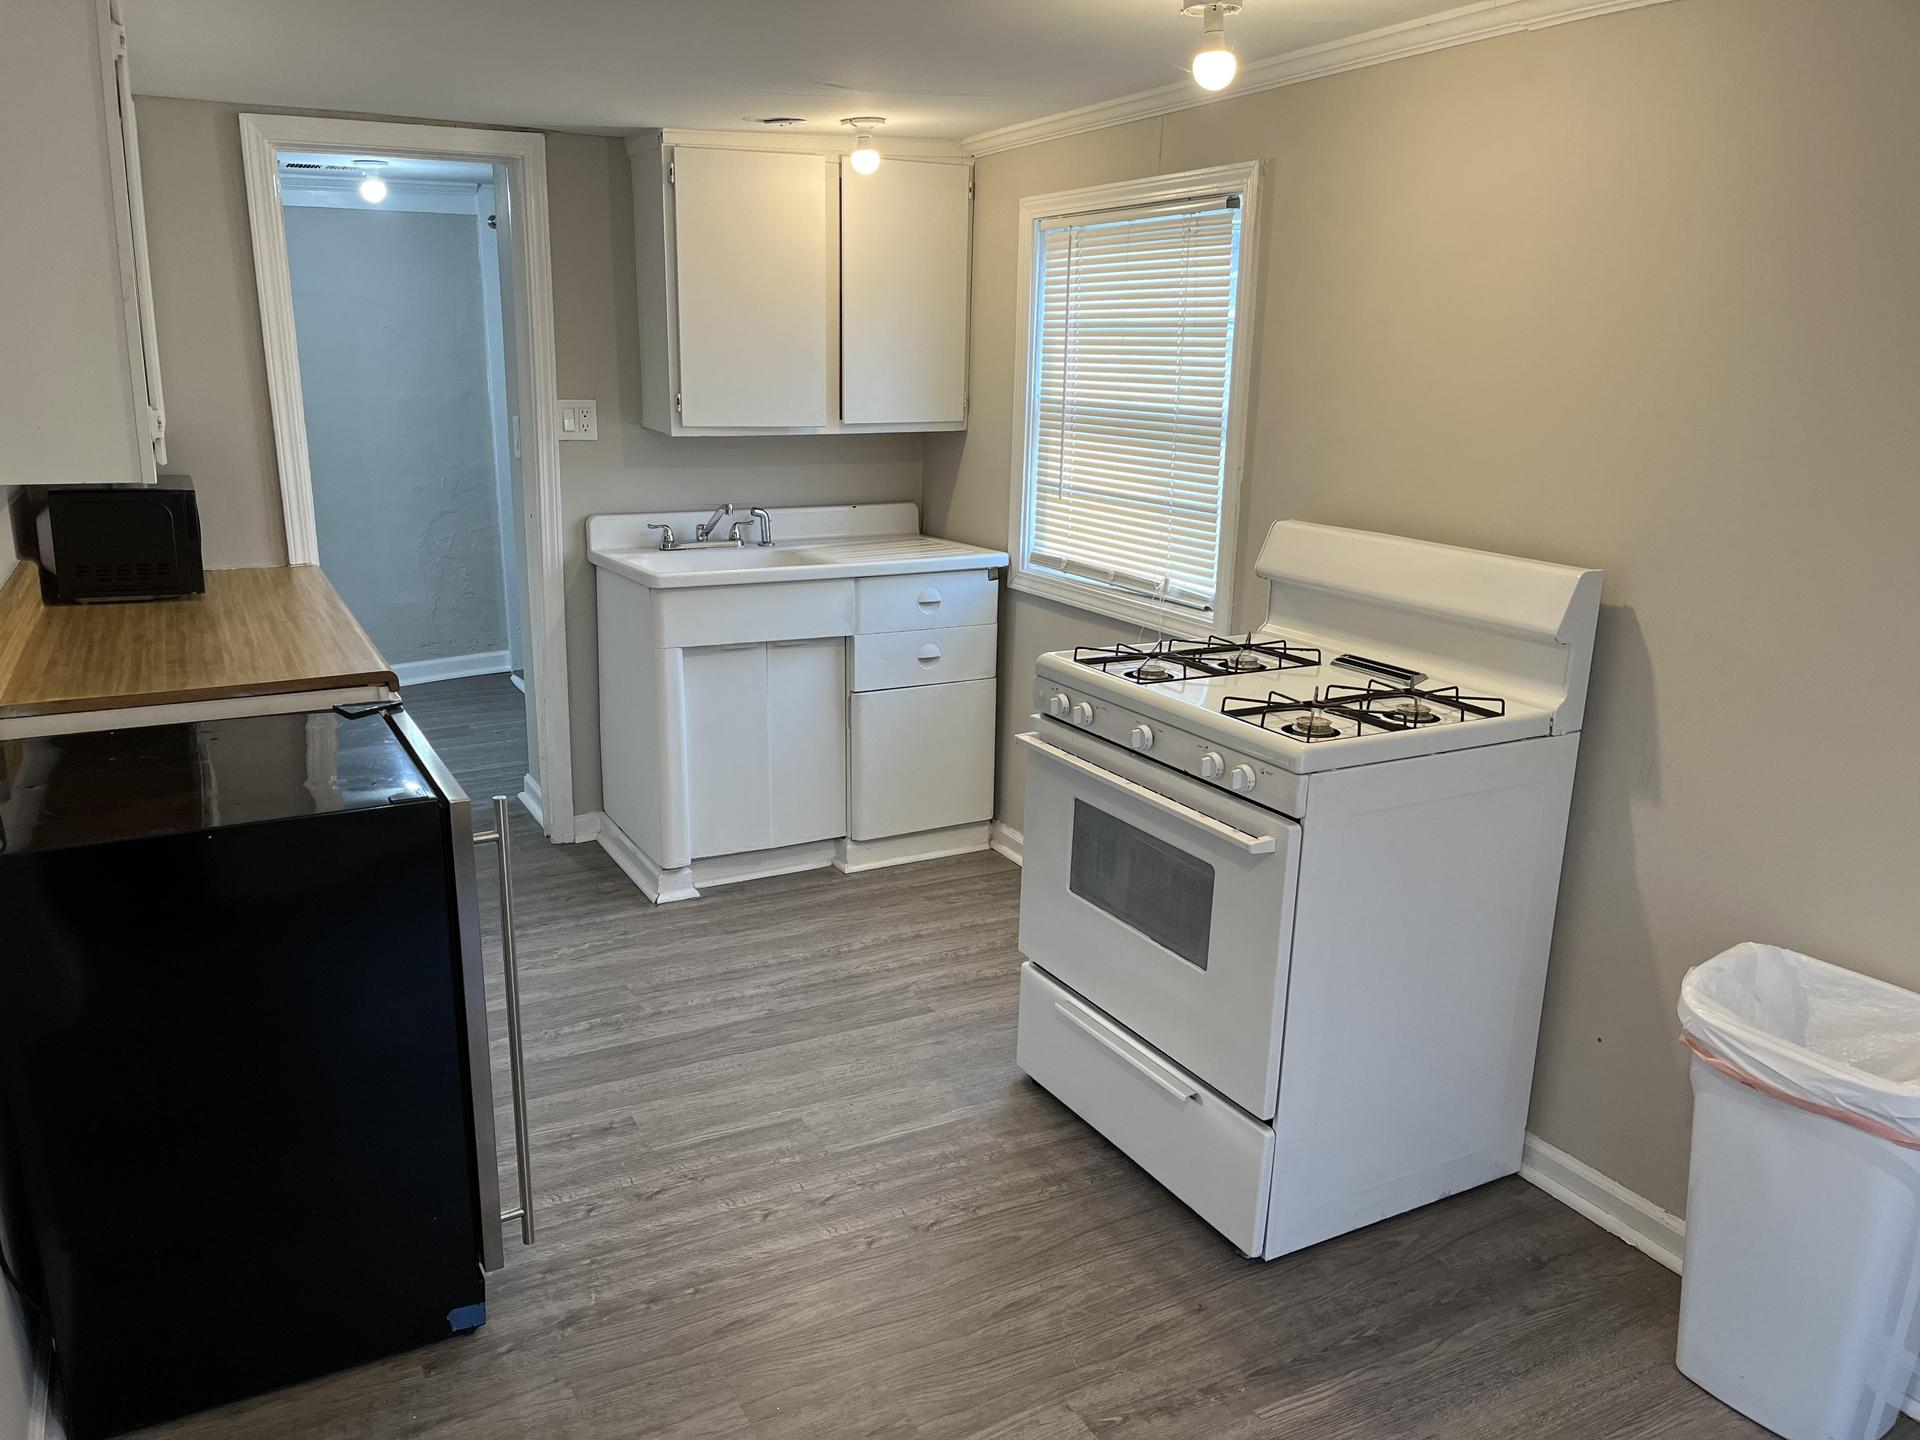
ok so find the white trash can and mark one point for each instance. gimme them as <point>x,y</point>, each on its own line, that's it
<point>1800,1300</point>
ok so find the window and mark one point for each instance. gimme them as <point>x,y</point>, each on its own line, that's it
<point>1126,457</point>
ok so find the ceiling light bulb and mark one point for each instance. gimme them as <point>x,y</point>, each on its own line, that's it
<point>1214,69</point>
<point>373,190</point>
<point>1214,65</point>
<point>865,158</point>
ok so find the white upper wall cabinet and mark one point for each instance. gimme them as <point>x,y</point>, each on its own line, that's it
<point>750,253</point>
<point>79,371</point>
<point>779,297</point>
<point>904,243</point>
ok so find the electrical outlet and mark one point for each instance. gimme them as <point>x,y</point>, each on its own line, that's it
<point>579,420</point>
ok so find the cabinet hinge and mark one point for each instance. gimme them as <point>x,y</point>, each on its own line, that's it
<point>672,171</point>
<point>156,424</point>
<point>116,41</point>
<point>676,402</point>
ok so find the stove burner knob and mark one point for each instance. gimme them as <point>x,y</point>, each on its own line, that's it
<point>1058,704</point>
<point>1141,738</point>
<point>1081,714</point>
<point>1211,765</point>
<point>1242,777</point>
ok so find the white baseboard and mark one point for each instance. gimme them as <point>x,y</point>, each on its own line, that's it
<point>854,856</point>
<point>659,886</point>
<point>1658,1234</point>
<point>531,798</point>
<point>519,681</point>
<point>587,827</point>
<point>1007,841</point>
<point>1655,1233</point>
<point>451,667</point>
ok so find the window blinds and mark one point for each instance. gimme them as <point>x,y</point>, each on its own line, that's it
<point>1131,368</point>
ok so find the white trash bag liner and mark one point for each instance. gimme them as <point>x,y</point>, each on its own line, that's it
<point>1811,1034</point>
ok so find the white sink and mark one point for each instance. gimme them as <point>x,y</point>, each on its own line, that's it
<point>721,560</point>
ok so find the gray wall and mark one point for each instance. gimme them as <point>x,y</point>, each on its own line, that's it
<point>219,429</point>
<point>393,370</point>
<point>1636,292</point>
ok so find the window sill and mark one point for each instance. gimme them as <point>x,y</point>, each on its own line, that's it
<point>1176,620</point>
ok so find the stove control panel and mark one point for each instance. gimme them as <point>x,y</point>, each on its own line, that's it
<point>1258,780</point>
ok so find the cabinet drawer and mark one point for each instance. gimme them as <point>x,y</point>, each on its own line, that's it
<point>1189,1138</point>
<point>926,602</point>
<point>900,658</point>
<point>922,759</point>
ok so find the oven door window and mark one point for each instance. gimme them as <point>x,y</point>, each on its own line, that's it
<point>1142,881</point>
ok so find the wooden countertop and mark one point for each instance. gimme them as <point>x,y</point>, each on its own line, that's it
<point>255,632</point>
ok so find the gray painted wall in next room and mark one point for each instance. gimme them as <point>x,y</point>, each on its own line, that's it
<point>393,365</point>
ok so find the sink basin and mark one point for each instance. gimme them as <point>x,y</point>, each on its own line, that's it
<point>722,559</point>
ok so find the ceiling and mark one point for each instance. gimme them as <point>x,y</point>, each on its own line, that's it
<point>937,68</point>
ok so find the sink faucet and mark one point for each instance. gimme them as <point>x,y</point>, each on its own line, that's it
<point>704,530</point>
<point>735,530</point>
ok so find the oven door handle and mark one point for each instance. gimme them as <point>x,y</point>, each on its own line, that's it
<point>1219,830</point>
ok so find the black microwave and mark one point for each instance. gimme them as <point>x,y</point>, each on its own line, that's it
<point>118,542</point>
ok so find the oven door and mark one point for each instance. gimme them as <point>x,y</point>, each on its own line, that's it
<point>1166,903</point>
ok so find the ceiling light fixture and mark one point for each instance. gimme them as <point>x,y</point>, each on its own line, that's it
<point>372,188</point>
<point>865,159</point>
<point>1214,65</point>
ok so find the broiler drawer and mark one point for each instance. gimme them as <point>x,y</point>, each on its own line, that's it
<point>1193,1140</point>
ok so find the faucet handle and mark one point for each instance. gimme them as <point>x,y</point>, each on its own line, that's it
<point>667,542</point>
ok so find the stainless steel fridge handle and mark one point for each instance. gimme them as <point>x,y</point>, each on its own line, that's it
<point>499,837</point>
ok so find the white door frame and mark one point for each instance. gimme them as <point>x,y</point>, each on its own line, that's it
<point>543,540</point>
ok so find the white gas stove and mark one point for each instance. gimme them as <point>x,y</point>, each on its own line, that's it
<point>1287,897</point>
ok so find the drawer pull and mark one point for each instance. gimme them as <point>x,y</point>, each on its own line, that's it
<point>928,599</point>
<point>929,654</point>
<point>1171,1081</point>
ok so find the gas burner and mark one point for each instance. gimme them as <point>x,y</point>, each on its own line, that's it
<point>1311,727</point>
<point>1407,707</point>
<point>1243,661</point>
<point>1309,720</point>
<point>1151,672</point>
<point>1411,713</point>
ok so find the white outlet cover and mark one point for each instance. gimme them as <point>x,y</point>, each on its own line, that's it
<point>579,420</point>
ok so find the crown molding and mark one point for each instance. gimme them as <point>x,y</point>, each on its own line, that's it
<point>1485,20</point>
<point>805,142</point>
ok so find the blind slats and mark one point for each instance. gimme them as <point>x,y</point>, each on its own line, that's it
<point>1133,326</point>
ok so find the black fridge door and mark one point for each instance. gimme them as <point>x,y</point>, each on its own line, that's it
<point>235,1135</point>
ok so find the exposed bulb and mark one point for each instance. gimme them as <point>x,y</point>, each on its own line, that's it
<point>373,190</point>
<point>1214,69</point>
<point>865,159</point>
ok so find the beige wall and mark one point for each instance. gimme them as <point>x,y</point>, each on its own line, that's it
<point>220,430</point>
<point>1637,292</point>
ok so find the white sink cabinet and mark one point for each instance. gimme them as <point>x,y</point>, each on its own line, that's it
<point>759,715</point>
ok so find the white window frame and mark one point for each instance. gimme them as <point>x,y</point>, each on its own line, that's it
<point>1242,180</point>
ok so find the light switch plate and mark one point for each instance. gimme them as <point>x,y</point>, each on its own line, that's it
<point>579,420</point>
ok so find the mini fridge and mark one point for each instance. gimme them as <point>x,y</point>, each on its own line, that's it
<point>246,1114</point>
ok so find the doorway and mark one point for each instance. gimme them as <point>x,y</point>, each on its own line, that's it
<point>407,316</point>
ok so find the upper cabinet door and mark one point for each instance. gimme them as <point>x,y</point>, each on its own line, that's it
<point>78,405</point>
<point>904,240</point>
<point>750,251</point>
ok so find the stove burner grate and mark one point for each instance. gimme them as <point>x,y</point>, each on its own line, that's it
<point>1169,660</point>
<point>1375,706</point>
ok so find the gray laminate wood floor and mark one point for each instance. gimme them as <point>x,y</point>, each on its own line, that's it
<point>791,1184</point>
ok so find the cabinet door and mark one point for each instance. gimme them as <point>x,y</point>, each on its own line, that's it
<point>727,794</point>
<point>922,759</point>
<point>74,401</point>
<point>807,748</point>
<point>751,273</point>
<point>905,234</point>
